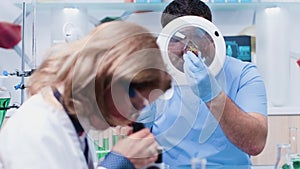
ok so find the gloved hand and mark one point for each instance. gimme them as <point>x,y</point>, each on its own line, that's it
<point>198,76</point>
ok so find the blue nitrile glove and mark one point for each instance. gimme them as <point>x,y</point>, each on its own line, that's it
<point>198,76</point>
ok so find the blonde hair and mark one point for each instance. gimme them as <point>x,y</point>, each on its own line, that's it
<point>114,52</point>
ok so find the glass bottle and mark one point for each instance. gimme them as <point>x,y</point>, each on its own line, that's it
<point>115,135</point>
<point>4,99</point>
<point>293,140</point>
<point>198,163</point>
<point>283,160</point>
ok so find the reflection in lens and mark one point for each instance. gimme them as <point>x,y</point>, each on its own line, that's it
<point>176,56</point>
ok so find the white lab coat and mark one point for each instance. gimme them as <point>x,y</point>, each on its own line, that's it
<point>38,136</point>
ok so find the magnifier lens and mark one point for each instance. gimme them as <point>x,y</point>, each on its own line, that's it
<point>206,46</point>
<point>195,34</point>
<point>192,39</point>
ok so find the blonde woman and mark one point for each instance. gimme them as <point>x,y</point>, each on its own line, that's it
<point>103,80</point>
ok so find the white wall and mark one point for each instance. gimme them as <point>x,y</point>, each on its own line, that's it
<point>294,52</point>
<point>49,27</point>
<point>277,47</point>
<point>9,59</point>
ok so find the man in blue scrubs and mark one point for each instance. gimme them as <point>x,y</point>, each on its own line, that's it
<point>221,118</point>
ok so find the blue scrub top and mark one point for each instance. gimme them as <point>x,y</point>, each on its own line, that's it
<point>185,127</point>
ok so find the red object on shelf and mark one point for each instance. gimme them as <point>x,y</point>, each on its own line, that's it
<point>298,61</point>
<point>10,35</point>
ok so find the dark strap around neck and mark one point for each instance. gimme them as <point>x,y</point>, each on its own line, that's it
<point>75,121</point>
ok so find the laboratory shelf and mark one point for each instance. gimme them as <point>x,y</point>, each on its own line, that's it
<point>250,6</point>
<point>130,7</point>
<point>284,111</point>
<point>155,7</point>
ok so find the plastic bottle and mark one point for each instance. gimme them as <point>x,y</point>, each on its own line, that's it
<point>4,99</point>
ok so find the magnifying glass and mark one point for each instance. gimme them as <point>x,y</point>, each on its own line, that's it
<point>191,33</point>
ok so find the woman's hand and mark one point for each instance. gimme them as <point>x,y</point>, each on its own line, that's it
<point>140,148</point>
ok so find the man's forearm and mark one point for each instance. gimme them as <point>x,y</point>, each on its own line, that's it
<point>248,131</point>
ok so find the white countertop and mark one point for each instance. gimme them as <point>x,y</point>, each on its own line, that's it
<point>263,167</point>
<point>277,111</point>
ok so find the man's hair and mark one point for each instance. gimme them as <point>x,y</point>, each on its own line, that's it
<point>178,8</point>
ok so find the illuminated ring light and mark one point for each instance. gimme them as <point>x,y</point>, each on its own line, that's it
<point>187,21</point>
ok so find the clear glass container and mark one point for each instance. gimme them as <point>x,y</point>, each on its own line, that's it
<point>283,160</point>
<point>198,163</point>
<point>293,140</point>
<point>4,99</point>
